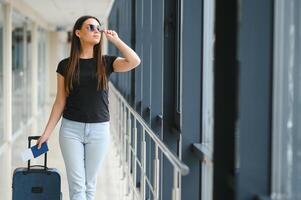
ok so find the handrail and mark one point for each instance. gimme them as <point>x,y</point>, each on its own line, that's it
<point>176,162</point>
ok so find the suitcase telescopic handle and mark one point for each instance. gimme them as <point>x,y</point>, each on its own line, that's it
<point>29,146</point>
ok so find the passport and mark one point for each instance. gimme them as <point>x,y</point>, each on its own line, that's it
<point>34,152</point>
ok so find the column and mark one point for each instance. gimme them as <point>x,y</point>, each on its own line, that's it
<point>6,168</point>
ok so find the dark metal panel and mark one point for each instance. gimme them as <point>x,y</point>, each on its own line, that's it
<point>111,50</point>
<point>128,33</point>
<point>146,88</point>
<point>151,76</point>
<point>225,92</point>
<point>157,64</point>
<point>157,21</point>
<point>169,138</point>
<point>190,122</point>
<point>138,72</point>
<point>147,84</point>
<point>255,58</point>
<point>139,50</point>
<point>133,46</point>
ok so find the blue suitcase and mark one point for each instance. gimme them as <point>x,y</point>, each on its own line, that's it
<point>37,182</point>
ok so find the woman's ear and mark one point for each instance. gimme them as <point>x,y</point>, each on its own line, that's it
<point>77,33</point>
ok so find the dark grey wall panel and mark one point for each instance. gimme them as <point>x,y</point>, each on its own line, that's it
<point>155,86</point>
<point>191,94</point>
<point>255,59</point>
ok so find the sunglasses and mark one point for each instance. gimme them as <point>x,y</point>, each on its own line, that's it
<point>92,28</point>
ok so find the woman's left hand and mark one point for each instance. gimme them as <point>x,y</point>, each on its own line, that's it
<point>111,35</point>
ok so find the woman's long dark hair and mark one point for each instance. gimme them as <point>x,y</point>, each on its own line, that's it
<point>72,71</point>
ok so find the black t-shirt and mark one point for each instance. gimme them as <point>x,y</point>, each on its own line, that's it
<point>85,103</point>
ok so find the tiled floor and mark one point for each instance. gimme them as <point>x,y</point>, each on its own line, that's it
<point>109,186</point>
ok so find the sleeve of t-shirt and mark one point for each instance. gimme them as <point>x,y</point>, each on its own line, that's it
<point>61,68</point>
<point>109,59</point>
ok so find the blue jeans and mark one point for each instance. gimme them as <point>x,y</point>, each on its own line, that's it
<point>83,146</point>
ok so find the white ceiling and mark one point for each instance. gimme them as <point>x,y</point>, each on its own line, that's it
<point>63,13</point>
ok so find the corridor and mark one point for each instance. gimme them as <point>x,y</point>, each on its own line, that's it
<point>204,95</point>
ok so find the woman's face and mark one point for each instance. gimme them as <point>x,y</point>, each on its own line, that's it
<point>90,32</point>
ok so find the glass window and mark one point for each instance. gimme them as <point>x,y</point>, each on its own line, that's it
<point>20,72</point>
<point>286,127</point>
<point>42,68</point>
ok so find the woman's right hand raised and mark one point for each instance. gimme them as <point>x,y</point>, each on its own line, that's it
<point>43,138</point>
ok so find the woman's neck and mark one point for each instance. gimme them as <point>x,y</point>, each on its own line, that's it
<point>87,51</point>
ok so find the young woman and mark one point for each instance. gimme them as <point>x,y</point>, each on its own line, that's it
<point>82,99</point>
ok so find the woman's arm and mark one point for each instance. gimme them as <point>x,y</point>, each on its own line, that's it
<point>56,112</point>
<point>130,60</point>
